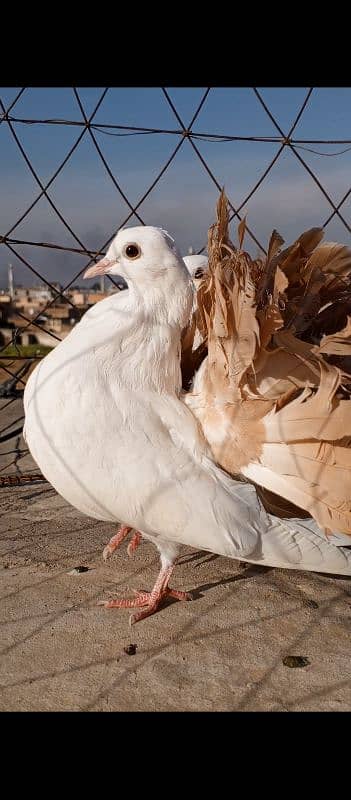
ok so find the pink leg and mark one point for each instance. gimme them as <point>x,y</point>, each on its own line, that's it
<point>151,601</point>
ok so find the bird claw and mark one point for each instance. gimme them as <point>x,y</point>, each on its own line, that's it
<point>134,543</point>
<point>119,537</point>
<point>107,552</point>
<point>147,601</point>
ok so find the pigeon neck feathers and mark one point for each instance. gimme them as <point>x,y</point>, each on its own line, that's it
<point>136,334</point>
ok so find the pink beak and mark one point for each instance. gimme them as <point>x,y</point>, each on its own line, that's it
<point>98,269</point>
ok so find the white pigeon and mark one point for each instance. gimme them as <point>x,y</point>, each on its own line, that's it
<point>197,266</point>
<point>105,422</point>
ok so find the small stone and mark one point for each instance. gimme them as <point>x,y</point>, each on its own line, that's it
<point>78,570</point>
<point>311,604</point>
<point>295,661</point>
<point>130,650</point>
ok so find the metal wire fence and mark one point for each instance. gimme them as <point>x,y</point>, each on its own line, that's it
<point>284,139</point>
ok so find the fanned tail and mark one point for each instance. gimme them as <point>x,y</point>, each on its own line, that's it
<point>273,394</point>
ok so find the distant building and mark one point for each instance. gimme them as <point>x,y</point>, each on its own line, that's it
<point>57,317</point>
<point>10,280</point>
<point>77,296</point>
<point>5,297</point>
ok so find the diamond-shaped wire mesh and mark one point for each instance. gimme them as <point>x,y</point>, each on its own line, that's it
<point>15,464</point>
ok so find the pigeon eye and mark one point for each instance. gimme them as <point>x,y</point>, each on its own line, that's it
<point>132,251</point>
<point>199,273</point>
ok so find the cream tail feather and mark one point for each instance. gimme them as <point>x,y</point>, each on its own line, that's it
<point>273,395</point>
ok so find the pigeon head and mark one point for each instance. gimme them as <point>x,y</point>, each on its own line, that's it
<point>143,256</point>
<point>197,266</point>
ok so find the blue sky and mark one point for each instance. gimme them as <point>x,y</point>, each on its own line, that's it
<point>184,200</point>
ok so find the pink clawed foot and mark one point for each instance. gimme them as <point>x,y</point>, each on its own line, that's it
<point>134,543</point>
<point>116,541</point>
<point>119,538</point>
<point>149,601</point>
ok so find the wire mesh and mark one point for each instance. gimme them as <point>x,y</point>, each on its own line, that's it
<point>15,368</point>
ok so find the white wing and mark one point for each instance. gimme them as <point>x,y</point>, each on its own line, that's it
<point>184,497</point>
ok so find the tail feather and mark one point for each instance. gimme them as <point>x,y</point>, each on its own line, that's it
<point>274,393</point>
